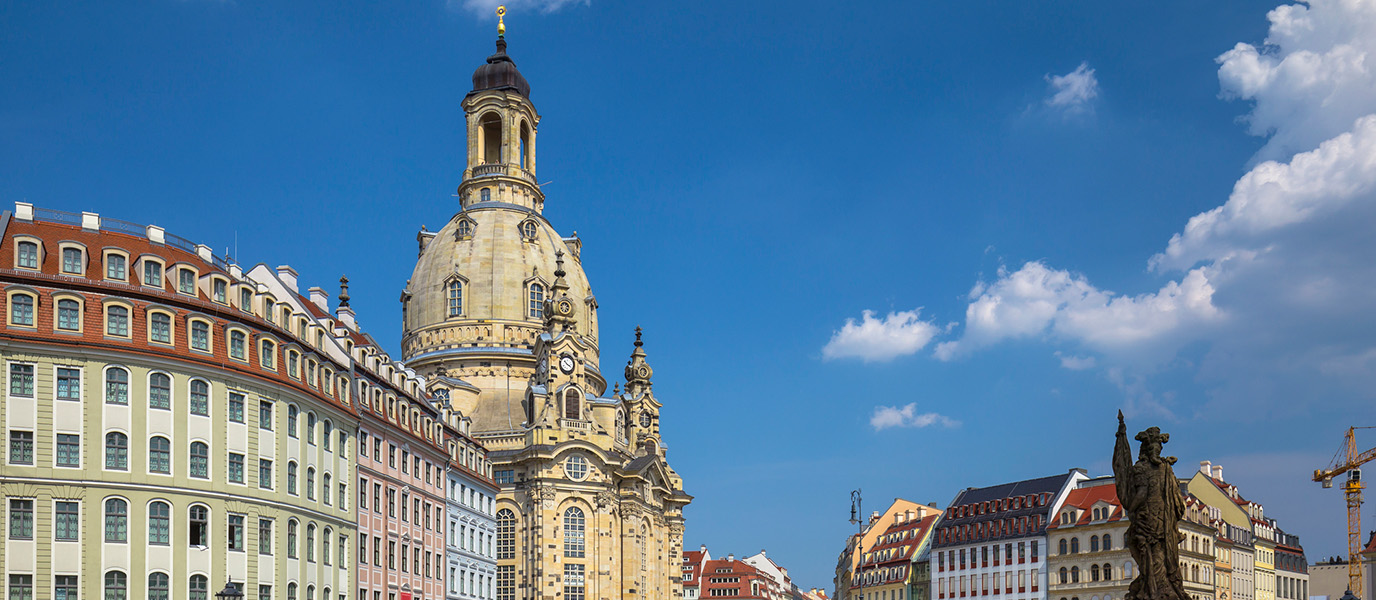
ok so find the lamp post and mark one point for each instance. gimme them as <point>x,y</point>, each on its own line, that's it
<point>231,592</point>
<point>857,514</point>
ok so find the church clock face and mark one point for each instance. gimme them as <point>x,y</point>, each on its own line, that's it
<point>566,364</point>
<point>645,419</point>
<point>565,307</point>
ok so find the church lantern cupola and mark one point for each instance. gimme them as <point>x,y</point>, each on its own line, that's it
<point>501,135</point>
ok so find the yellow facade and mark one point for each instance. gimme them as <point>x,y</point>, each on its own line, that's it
<point>500,316</point>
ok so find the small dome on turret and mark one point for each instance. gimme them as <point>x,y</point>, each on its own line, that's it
<point>500,73</point>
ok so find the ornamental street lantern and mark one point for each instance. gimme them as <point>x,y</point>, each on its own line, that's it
<point>231,592</point>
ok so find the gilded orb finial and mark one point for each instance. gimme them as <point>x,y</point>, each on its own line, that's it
<point>501,23</point>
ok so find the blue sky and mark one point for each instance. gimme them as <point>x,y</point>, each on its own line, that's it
<point>998,183</point>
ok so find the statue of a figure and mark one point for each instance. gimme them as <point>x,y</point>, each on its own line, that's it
<point>1150,495</point>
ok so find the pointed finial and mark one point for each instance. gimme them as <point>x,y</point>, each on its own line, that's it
<point>559,263</point>
<point>616,389</point>
<point>501,22</point>
<point>638,343</point>
<point>343,291</point>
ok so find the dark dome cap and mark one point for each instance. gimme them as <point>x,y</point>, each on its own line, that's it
<point>500,73</point>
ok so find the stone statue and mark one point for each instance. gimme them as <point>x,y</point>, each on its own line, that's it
<point>1150,495</point>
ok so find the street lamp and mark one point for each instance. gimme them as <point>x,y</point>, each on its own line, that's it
<point>856,510</point>
<point>231,592</point>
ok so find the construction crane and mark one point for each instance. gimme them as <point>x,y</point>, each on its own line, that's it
<point>1347,460</point>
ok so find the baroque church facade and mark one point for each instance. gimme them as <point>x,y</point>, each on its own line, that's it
<point>500,318</point>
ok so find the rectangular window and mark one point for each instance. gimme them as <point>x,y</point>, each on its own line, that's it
<point>68,450</point>
<point>405,499</point>
<point>160,328</point>
<point>21,447</point>
<point>68,384</point>
<point>236,532</point>
<point>363,444</point>
<point>265,414</point>
<point>405,458</point>
<point>391,448</point>
<point>200,336</point>
<point>71,260</point>
<point>236,407</point>
<point>67,522</point>
<point>265,536</point>
<point>152,273</point>
<point>264,592</point>
<point>265,473</point>
<point>28,255</point>
<point>21,519</point>
<point>186,281</point>
<point>392,503</point>
<point>391,554</point>
<point>573,582</point>
<point>114,267</point>
<point>377,551</point>
<point>377,449</point>
<point>21,380</point>
<point>404,551</point>
<point>21,587</point>
<point>504,476</point>
<point>377,497</point>
<point>236,467</point>
<point>64,587</point>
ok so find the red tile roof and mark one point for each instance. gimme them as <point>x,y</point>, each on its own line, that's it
<point>1085,498</point>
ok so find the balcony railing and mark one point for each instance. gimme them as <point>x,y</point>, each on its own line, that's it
<point>509,170</point>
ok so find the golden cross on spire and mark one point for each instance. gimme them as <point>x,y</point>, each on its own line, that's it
<point>501,24</point>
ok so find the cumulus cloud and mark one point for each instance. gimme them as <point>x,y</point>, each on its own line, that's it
<point>874,340</point>
<point>1266,298</point>
<point>1073,91</point>
<point>1311,79</point>
<point>885,417</point>
<point>1037,300</point>
<point>488,7</point>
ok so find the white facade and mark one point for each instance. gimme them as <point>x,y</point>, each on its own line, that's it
<point>470,542</point>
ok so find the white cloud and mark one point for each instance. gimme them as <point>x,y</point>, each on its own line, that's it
<point>885,417</point>
<point>1073,91</point>
<point>1267,305</point>
<point>872,340</point>
<point>489,7</point>
<point>1312,78</point>
<point>1037,300</point>
<point>1076,363</point>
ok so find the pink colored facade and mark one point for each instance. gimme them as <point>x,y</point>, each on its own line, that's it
<point>401,501</point>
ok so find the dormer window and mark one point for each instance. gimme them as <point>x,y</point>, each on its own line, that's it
<point>27,257</point>
<point>537,301</point>
<point>72,261</point>
<point>528,230</point>
<point>246,300</point>
<point>455,298</point>
<point>116,267</point>
<point>464,230</point>
<point>186,281</point>
<point>220,291</point>
<point>152,273</point>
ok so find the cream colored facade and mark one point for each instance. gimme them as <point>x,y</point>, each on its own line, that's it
<point>500,317</point>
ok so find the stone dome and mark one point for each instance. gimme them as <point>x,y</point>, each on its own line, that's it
<point>500,72</point>
<point>484,248</point>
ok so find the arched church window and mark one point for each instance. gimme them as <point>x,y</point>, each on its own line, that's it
<point>490,131</point>
<point>537,301</point>
<point>571,404</point>
<point>1074,545</point>
<point>574,522</point>
<point>525,146</point>
<point>485,195</point>
<point>506,534</point>
<point>455,298</point>
<point>621,425</point>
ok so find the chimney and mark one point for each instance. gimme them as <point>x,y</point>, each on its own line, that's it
<point>1218,472</point>
<point>730,558</point>
<point>288,277</point>
<point>346,317</point>
<point>874,516</point>
<point>703,547</point>
<point>1205,468</point>
<point>762,553</point>
<point>320,299</point>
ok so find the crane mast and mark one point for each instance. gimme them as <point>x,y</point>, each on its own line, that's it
<point>1347,460</point>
